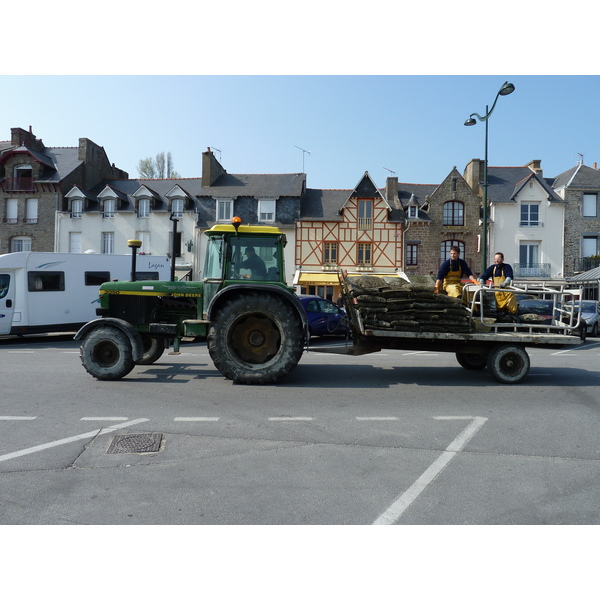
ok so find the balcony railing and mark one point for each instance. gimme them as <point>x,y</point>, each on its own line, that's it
<point>587,264</point>
<point>532,270</point>
<point>19,184</point>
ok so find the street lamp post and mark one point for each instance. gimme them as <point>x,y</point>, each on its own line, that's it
<point>505,90</point>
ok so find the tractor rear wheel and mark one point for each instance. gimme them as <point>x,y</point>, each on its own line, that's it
<point>256,338</point>
<point>106,353</point>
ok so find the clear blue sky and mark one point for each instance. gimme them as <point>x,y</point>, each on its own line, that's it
<point>413,125</point>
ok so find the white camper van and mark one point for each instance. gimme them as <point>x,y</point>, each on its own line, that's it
<point>47,291</point>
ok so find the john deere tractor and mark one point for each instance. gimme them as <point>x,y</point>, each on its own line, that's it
<point>254,324</point>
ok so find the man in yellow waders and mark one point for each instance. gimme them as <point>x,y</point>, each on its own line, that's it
<point>501,274</point>
<point>451,272</point>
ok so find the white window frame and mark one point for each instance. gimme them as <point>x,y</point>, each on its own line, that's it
<point>177,207</point>
<point>224,210</point>
<point>76,208</point>
<point>20,243</point>
<point>144,208</point>
<point>12,210</point>
<point>266,210</point>
<point>75,242</point>
<point>529,221</point>
<point>589,206</point>
<point>110,205</point>
<point>144,237</point>
<point>107,242</point>
<point>31,210</point>
<point>590,246</point>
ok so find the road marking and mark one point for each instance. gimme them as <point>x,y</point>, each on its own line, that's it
<point>425,352</point>
<point>376,418</point>
<point>68,440</point>
<point>21,351</point>
<point>17,418</point>
<point>103,418</point>
<point>402,502</point>
<point>185,419</point>
<point>290,418</point>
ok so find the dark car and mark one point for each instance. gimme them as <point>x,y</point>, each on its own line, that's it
<point>536,311</point>
<point>590,313</point>
<point>324,317</point>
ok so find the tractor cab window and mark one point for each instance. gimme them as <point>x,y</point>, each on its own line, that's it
<point>213,268</point>
<point>254,258</point>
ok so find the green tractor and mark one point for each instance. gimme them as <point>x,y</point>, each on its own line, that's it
<point>254,324</point>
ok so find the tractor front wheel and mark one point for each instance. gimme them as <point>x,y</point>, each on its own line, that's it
<point>106,353</point>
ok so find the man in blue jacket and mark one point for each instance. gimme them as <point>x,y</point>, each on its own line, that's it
<point>451,272</point>
<point>501,274</point>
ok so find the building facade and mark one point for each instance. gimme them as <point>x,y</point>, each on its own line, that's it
<point>580,189</point>
<point>33,179</point>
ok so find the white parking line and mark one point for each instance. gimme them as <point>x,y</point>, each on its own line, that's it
<point>290,418</point>
<point>103,418</point>
<point>17,418</point>
<point>186,419</point>
<point>402,502</point>
<point>376,418</point>
<point>68,440</point>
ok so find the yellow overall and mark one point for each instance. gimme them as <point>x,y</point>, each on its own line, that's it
<point>504,300</point>
<point>452,284</point>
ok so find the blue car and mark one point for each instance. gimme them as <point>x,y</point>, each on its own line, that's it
<point>324,317</point>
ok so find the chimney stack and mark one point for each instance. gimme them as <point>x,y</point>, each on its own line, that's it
<point>211,168</point>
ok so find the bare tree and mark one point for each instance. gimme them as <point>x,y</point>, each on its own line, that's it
<point>158,168</point>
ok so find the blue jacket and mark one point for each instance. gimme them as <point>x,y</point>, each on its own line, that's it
<point>497,271</point>
<point>458,265</point>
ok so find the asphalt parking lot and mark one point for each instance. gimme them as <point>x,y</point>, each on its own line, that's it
<point>393,438</point>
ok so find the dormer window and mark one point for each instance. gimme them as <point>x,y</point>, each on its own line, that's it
<point>76,209</point>
<point>224,210</point>
<point>143,208</point>
<point>109,208</point>
<point>22,179</point>
<point>413,212</point>
<point>266,210</point>
<point>177,208</point>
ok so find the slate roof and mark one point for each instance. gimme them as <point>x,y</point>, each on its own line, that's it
<point>590,275</point>
<point>580,176</point>
<point>325,205</point>
<point>504,183</point>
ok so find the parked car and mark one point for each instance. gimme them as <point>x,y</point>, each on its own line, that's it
<point>324,317</point>
<point>590,313</point>
<point>541,311</point>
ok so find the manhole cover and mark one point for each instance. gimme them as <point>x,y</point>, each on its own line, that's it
<point>135,443</point>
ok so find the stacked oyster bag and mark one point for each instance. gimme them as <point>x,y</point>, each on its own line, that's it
<point>393,303</point>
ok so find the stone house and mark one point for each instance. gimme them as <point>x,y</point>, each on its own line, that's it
<point>448,216</point>
<point>580,189</point>
<point>33,179</point>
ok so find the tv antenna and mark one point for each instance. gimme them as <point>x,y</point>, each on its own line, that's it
<point>303,153</point>
<point>390,170</point>
<point>213,148</point>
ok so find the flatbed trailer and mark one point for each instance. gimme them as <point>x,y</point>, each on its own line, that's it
<point>498,346</point>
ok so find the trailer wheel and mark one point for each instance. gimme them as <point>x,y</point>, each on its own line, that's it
<point>153,350</point>
<point>256,338</point>
<point>508,364</point>
<point>106,353</point>
<point>473,362</point>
